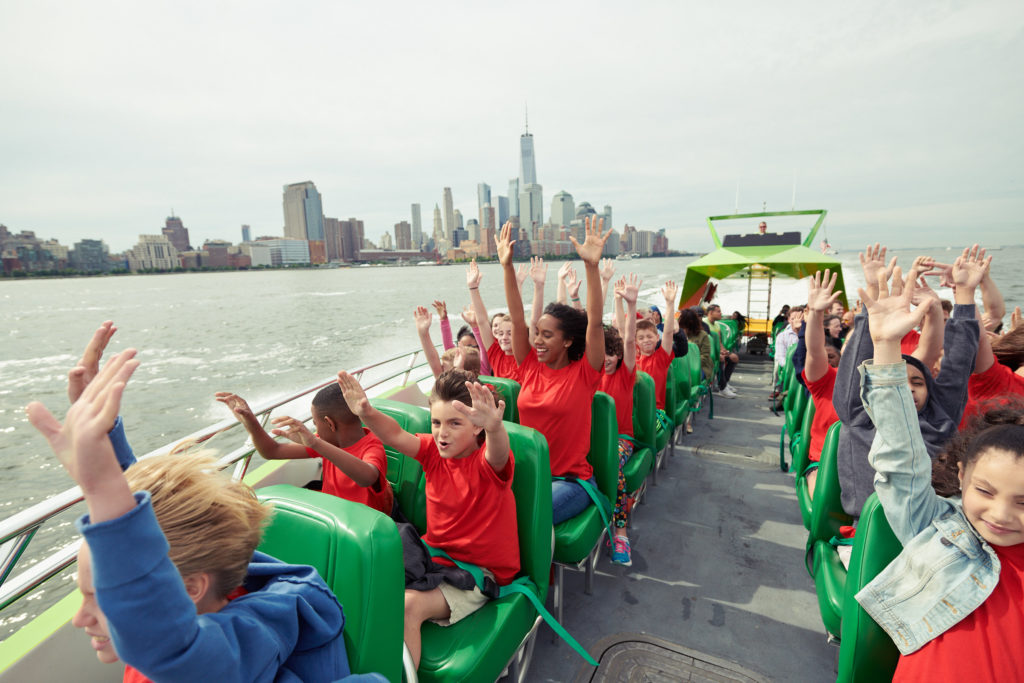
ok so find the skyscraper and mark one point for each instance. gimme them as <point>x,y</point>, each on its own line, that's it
<point>458,219</point>
<point>502,211</point>
<point>303,212</point>
<point>531,209</point>
<point>483,197</point>
<point>449,214</point>
<point>527,164</point>
<point>403,234</point>
<point>438,229</point>
<point>332,236</point>
<point>176,233</point>
<point>513,197</point>
<point>563,210</point>
<point>417,228</point>
<point>246,234</point>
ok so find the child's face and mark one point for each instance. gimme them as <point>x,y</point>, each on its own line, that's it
<point>918,387</point>
<point>467,340</point>
<point>89,616</point>
<point>611,363</point>
<point>833,355</point>
<point>503,333</point>
<point>646,340</point>
<point>993,496</point>
<point>454,434</point>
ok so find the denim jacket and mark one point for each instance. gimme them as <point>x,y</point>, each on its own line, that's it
<point>946,570</point>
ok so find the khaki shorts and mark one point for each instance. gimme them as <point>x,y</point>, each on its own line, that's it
<point>461,602</point>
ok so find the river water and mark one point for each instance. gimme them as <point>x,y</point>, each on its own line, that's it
<point>260,334</point>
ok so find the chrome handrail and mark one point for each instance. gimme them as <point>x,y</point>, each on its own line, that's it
<point>18,529</point>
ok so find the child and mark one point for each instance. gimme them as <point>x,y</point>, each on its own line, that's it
<point>471,511</point>
<point>951,601</point>
<point>654,359</point>
<point>354,464</point>
<point>560,372</point>
<point>617,381</point>
<point>460,355</point>
<point>467,338</point>
<point>170,580</point>
<point>498,340</point>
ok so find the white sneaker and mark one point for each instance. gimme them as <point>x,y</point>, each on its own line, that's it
<point>728,392</point>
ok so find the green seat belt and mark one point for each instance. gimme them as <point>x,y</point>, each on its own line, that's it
<point>636,442</point>
<point>524,586</point>
<point>604,508</point>
<point>664,420</point>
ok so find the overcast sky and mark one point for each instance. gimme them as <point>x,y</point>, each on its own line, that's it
<point>902,119</point>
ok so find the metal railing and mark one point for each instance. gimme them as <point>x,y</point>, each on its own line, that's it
<point>18,530</point>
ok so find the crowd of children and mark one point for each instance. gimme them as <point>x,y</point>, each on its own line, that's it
<point>926,393</point>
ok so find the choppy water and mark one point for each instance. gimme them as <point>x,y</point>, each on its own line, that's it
<point>259,334</point>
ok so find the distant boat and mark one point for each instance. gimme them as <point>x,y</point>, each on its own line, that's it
<point>426,263</point>
<point>624,257</point>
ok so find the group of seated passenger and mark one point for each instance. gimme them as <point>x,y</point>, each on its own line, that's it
<point>930,395</point>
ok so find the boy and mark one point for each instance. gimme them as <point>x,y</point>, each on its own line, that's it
<point>652,358</point>
<point>354,463</point>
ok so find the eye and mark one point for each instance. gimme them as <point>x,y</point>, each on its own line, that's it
<point>982,491</point>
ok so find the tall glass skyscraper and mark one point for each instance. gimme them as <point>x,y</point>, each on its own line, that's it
<point>303,212</point>
<point>527,164</point>
<point>513,197</point>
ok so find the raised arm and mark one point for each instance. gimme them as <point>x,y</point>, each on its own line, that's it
<point>619,316</point>
<point>473,278</point>
<point>572,288</point>
<point>563,273</point>
<point>872,262</point>
<point>385,427</point>
<point>422,317</point>
<point>470,317</point>
<point>668,290</point>
<point>539,274</point>
<point>929,347</point>
<point>513,298</point>
<point>607,273</point>
<point>628,291</point>
<point>446,326</point>
<point>265,444</point>
<point>819,299</point>
<point>484,413</point>
<point>359,471</point>
<point>992,300</point>
<point>590,253</point>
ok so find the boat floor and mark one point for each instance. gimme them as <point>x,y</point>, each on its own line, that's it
<point>717,590</point>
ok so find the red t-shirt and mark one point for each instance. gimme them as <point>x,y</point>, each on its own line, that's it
<point>557,404</point>
<point>998,382</point>
<point>987,644</point>
<point>619,385</point>
<point>337,483</point>
<point>471,511</point>
<point>910,341</point>
<point>824,412</point>
<point>502,364</point>
<point>656,365</point>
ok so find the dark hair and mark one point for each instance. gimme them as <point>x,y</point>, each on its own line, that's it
<point>829,318</point>
<point>1009,348</point>
<point>450,386</point>
<point>1001,427</point>
<point>646,324</point>
<point>330,402</point>
<point>613,344</point>
<point>690,322</point>
<point>464,331</point>
<point>573,325</point>
<point>947,305</point>
<point>741,319</point>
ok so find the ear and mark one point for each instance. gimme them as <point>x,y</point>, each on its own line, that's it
<point>331,423</point>
<point>960,474</point>
<point>198,586</point>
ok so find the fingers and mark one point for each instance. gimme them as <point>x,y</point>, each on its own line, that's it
<point>94,349</point>
<point>43,420</point>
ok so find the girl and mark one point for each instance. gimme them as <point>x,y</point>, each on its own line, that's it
<point>617,381</point>
<point>561,372</point>
<point>471,511</point>
<point>951,601</point>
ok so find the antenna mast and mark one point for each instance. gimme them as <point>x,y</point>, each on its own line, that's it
<point>526,110</point>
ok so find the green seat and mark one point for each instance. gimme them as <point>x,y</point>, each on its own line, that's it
<point>499,634</point>
<point>358,553</point>
<point>578,540</point>
<point>699,387</point>
<point>730,333</point>
<point>830,585</point>
<point>509,390</point>
<point>827,516</point>
<point>405,474</point>
<point>801,462</point>
<point>681,374</point>
<point>793,406</point>
<point>866,652</point>
<point>716,359</point>
<point>641,462</point>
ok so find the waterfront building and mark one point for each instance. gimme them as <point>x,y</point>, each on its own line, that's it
<point>613,247</point>
<point>483,195</point>
<point>303,212</point>
<point>513,197</point>
<point>153,252</point>
<point>531,207</point>
<point>91,256</point>
<point>215,254</point>
<point>332,238</point>
<point>57,251</point>
<point>503,213</point>
<point>176,233</point>
<point>351,239</point>
<point>287,251</point>
<point>472,230</point>
<point>563,210</point>
<point>386,243</point>
<point>403,235</point>
<point>438,234</point>
<point>258,253</point>
<point>487,220</point>
<point>246,234</point>
<point>417,227</point>
<point>449,213</point>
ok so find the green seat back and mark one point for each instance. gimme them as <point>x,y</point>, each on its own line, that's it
<point>478,647</point>
<point>801,454</point>
<point>829,585</point>
<point>680,373</point>
<point>692,358</point>
<point>867,653</point>
<point>640,462</point>
<point>509,390</point>
<point>404,473</point>
<point>730,333</point>
<point>716,353</point>
<point>827,513</point>
<point>358,553</point>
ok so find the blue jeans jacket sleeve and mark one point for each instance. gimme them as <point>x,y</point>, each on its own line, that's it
<point>960,349</point>
<point>122,449</point>
<point>903,469</point>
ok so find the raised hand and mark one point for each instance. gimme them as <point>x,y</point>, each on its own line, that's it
<point>872,262</point>
<point>469,316</point>
<point>483,413</point>
<point>237,405</point>
<point>607,269</point>
<point>563,270</point>
<point>628,289</point>
<point>970,268</point>
<point>442,309</point>
<point>538,270</point>
<point>89,364</point>
<point>503,244</point>
<point>572,284</point>
<point>522,271</point>
<point>819,290</point>
<point>593,244</point>
<point>81,443</point>
<point>891,316</point>
<point>668,290</point>
<point>353,393</point>
<point>422,317</point>
<point>292,429</point>
<point>459,359</point>
<point>1016,320</point>
<point>923,293</point>
<point>896,283</point>
<point>473,275</point>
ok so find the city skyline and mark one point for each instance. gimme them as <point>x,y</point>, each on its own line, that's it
<point>895,118</point>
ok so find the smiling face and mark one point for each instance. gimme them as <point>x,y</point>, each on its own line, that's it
<point>646,341</point>
<point>550,343</point>
<point>89,616</point>
<point>453,433</point>
<point>835,328</point>
<point>502,331</point>
<point>993,496</point>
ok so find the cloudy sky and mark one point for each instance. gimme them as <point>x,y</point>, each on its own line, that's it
<point>902,119</point>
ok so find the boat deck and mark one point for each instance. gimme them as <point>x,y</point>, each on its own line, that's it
<point>717,590</point>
